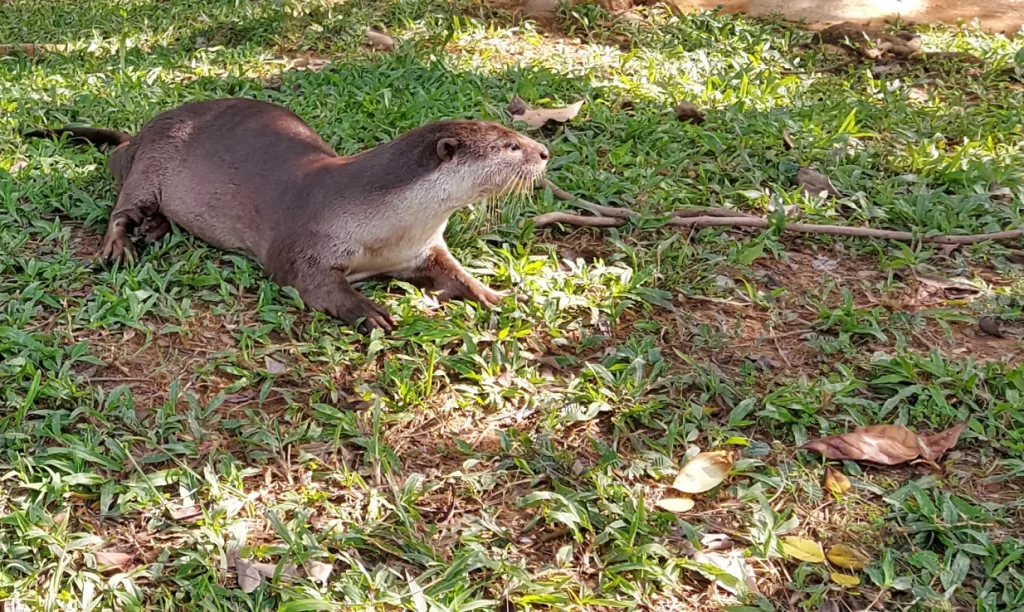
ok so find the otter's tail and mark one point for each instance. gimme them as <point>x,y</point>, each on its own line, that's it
<point>94,136</point>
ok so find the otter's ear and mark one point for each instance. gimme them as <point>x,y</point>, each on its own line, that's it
<point>447,148</point>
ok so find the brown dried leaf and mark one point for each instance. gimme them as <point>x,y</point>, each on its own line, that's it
<point>540,10</point>
<point>188,514</point>
<point>815,182</point>
<point>836,481</point>
<point>380,40</point>
<point>883,444</point>
<point>934,446</point>
<point>787,140</point>
<point>110,559</point>
<point>535,118</point>
<point>689,113</point>
<point>31,49</point>
<point>886,444</point>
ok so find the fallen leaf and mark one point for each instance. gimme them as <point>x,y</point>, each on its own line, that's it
<point>704,472</point>
<point>936,445</point>
<point>536,118</point>
<point>845,557</point>
<point>31,49</point>
<point>814,182</point>
<point>761,362</point>
<point>541,10</point>
<point>998,193</point>
<point>109,559</point>
<point>836,481</point>
<point>952,288</point>
<point>319,571</point>
<point>380,40</point>
<point>251,573</point>
<point>249,578</point>
<point>689,113</point>
<point>824,263</point>
<point>189,514</point>
<point>787,140</point>
<point>15,605</point>
<point>828,606</point>
<point>734,565</point>
<point>845,580</point>
<point>917,94</point>
<point>879,69</point>
<point>803,549</point>
<point>724,282</point>
<point>990,325</point>
<point>885,444</point>
<point>274,366</point>
<point>676,504</point>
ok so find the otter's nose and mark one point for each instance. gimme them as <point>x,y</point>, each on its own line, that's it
<point>544,153</point>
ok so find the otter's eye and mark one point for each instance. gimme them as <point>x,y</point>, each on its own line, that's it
<point>512,146</point>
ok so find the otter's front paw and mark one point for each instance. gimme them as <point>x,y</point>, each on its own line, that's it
<point>487,296</point>
<point>374,315</point>
<point>117,245</point>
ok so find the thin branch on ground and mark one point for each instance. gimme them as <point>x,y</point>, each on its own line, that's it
<point>697,218</point>
<point>625,213</point>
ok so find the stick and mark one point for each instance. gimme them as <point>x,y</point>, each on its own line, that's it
<point>574,219</point>
<point>824,70</point>
<point>625,213</point>
<point>616,217</point>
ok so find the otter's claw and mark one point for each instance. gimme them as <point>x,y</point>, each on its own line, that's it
<point>117,246</point>
<point>373,315</point>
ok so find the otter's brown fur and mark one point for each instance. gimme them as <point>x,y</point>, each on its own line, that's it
<point>252,177</point>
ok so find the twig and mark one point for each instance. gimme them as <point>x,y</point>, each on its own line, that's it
<point>574,219</point>
<point>615,217</point>
<point>625,213</point>
<point>826,69</point>
<point>31,49</point>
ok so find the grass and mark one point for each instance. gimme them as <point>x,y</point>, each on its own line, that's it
<point>184,409</point>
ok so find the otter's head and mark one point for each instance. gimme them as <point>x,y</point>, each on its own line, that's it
<point>481,159</point>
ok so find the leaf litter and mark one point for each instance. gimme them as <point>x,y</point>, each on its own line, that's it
<point>704,472</point>
<point>537,118</point>
<point>886,444</point>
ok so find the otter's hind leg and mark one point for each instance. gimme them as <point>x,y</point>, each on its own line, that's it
<point>155,227</point>
<point>442,272</point>
<point>137,204</point>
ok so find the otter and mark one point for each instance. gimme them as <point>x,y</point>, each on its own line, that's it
<point>252,177</point>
